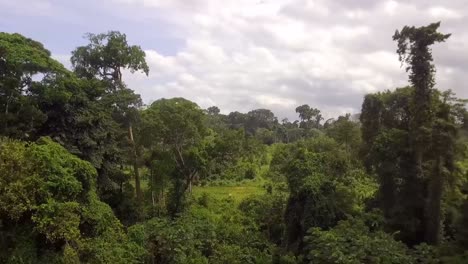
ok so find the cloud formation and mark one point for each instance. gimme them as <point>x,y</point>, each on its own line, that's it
<point>278,54</point>
<point>242,55</point>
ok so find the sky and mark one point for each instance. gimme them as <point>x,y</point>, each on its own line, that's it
<point>246,54</point>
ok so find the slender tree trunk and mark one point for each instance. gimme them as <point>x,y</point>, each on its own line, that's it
<point>189,181</point>
<point>136,171</point>
<point>152,188</point>
<point>7,106</point>
<point>162,197</point>
<point>433,207</point>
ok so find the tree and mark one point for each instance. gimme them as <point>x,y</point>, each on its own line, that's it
<point>310,117</point>
<point>45,99</point>
<point>346,132</point>
<point>105,57</point>
<point>24,65</point>
<point>413,49</point>
<point>387,149</point>
<point>268,213</point>
<point>289,131</point>
<point>224,150</point>
<point>409,137</point>
<point>236,120</point>
<point>177,127</point>
<point>253,120</point>
<point>260,118</point>
<point>213,110</point>
<point>323,183</point>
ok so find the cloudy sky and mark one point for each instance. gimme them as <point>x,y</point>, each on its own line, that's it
<point>247,54</point>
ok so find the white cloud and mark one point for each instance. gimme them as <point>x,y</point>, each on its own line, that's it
<point>440,12</point>
<point>391,7</point>
<point>28,7</point>
<point>269,100</point>
<point>277,54</point>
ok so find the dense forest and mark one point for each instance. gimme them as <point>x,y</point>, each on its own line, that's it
<point>89,174</point>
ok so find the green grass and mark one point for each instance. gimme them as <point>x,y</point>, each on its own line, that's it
<point>237,193</point>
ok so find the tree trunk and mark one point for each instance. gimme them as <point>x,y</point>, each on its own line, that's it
<point>136,171</point>
<point>152,188</point>
<point>7,105</point>
<point>162,200</point>
<point>433,210</point>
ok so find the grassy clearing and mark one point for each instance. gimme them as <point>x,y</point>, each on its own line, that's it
<point>237,193</point>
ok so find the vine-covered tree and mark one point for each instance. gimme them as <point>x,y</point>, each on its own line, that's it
<point>414,49</point>
<point>409,139</point>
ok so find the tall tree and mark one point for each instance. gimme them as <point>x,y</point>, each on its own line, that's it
<point>414,49</point>
<point>105,57</point>
<point>408,140</point>
<point>310,117</point>
<point>385,121</point>
<point>41,98</point>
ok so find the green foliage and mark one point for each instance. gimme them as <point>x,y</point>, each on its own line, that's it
<point>58,221</point>
<point>49,209</point>
<point>267,211</point>
<point>310,117</point>
<point>352,241</point>
<point>204,199</point>
<point>44,99</point>
<point>232,191</point>
<point>106,55</point>
<point>176,126</point>
<point>263,191</point>
<point>409,141</point>
<point>281,155</point>
<point>213,110</point>
<point>214,234</point>
<point>252,121</point>
<point>224,149</point>
<point>102,60</point>
<point>259,118</point>
<point>24,65</point>
<point>31,175</point>
<point>346,132</point>
<point>319,173</point>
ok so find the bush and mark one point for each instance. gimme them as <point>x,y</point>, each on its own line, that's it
<point>267,212</point>
<point>352,242</point>
<point>203,200</point>
<point>215,234</point>
<point>250,173</point>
